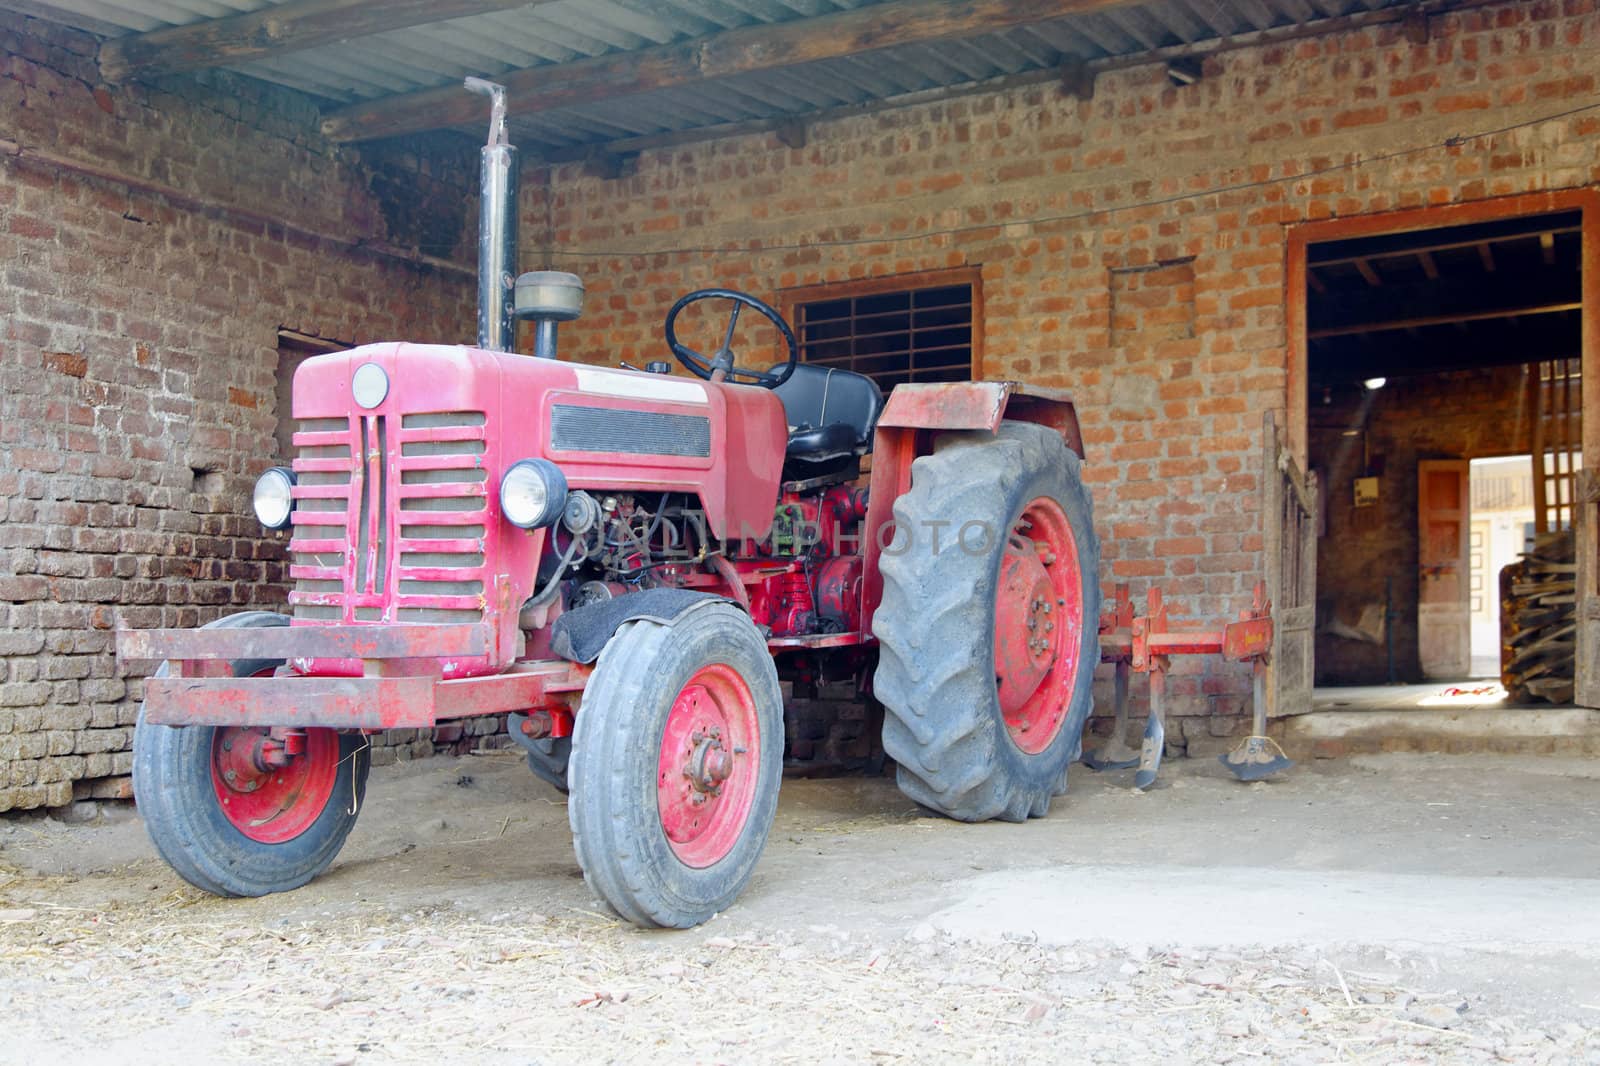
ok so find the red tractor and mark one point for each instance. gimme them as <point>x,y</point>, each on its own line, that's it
<point>629,564</point>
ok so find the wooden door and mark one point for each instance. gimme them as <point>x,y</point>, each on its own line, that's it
<point>1444,621</point>
<point>1289,539</point>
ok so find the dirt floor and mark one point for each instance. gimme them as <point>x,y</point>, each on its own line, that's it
<point>1380,909</point>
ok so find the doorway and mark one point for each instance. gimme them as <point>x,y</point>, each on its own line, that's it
<point>1501,527</point>
<point>1417,342</point>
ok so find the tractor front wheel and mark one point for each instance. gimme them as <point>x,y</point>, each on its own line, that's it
<point>988,629</point>
<point>237,812</point>
<point>677,754</point>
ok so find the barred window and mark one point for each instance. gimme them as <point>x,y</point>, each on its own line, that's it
<point>912,328</point>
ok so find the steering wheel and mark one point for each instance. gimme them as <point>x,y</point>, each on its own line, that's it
<point>720,366</point>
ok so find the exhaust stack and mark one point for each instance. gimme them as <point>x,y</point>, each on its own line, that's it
<point>497,224</point>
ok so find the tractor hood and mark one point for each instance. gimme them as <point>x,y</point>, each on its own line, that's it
<point>608,430</point>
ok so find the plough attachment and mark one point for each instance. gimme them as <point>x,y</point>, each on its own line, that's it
<point>1145,644</point>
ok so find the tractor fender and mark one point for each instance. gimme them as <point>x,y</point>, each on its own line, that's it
<point>579,635</point>
<point>982,405</point>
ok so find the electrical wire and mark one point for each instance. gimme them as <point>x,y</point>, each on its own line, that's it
<point>547,593</point>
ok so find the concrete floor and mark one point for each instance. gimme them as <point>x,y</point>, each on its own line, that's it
<point>1409,833</point>
<point>1441,716</point>
<point>1478,875</point>
<point>1474,694</point>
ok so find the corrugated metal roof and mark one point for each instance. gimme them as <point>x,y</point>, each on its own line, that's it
<point>442,53</point>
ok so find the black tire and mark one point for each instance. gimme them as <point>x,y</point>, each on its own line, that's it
<point>936,675</point>
<point>173,789</point>
<point>625,853</point>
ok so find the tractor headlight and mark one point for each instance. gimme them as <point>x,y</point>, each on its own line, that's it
<point>369,385</point>
<point>533,493</point>
<point>274,497</point>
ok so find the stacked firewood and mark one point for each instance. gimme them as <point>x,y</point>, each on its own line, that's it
<point>1538,628</point>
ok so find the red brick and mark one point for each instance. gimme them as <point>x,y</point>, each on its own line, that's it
<point>71,364</point>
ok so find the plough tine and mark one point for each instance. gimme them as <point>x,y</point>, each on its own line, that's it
<point>1258,755</point>
<point>1115,754</point>
<point>1155,732</point>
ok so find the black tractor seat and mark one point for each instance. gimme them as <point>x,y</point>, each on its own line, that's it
<point>831,414</point>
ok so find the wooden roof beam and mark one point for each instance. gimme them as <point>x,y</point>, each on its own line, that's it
<point>746,50</point>
<point>1444,320</point>
<point>277,30</point>
<point>1439,246</point>
<point>1369,274</point>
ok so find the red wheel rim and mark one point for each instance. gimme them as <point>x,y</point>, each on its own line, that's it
<point>1038,633</point>
<point>710,760</point>
<point>272,804</point>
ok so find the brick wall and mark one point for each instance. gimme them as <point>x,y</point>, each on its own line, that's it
<point>138,339</point>
<point>1171,367</point>
<point>138,327</point>
<point>1461,415</point>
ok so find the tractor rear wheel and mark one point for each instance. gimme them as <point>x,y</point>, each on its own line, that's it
<point>227,822</point>
<point>988,630</point>
<point>677,754</point>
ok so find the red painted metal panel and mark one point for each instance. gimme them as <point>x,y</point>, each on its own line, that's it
<point>335,702</point>
<point>1184,642</point>
<point>982,405</point>
<point>1246,640</point>
<point>893,450</point>
<point>389,702</point>
<point>530,687</point>
<point>297,642</point>
<point>950,405</point>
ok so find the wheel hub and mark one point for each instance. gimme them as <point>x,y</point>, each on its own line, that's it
<point>706,780</point>
<point>710,764</point>
<point>1038,625</point>
<point>1025,637</point>
<point>273,788</point>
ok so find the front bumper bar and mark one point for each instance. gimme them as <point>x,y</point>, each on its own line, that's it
<point>304,642</point>
<point>401,689</point>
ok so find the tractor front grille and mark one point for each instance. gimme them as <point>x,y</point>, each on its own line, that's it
<point>443,496</point>
<point>319,548</point>
<point>390,519</point>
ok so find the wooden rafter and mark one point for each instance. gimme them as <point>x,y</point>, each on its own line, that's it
<point>742,51</point>
<point>1367,273</point>
<point>1442,320</point>
<point>277,30</point>
<point>1435,246</point>
<point>1486,254</point>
